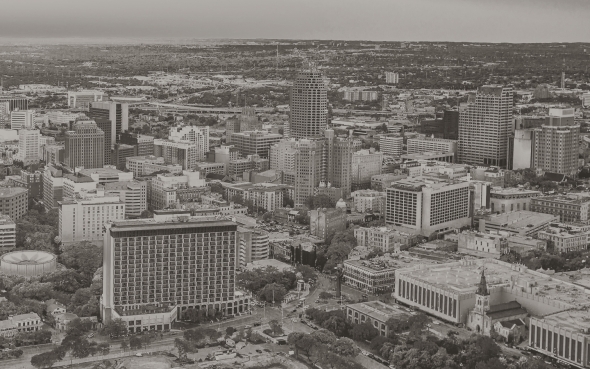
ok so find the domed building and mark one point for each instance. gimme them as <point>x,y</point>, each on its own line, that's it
<point>28,263</point>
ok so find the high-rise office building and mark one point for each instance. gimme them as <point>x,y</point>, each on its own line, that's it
<point>450,123</point>
<point>84,146</point>
<point>116,112</point>
<point>28,146</point>
<point>555,144</point>
<point>310,168</point>
<point>199,136</point>
<point>14,202</point>
<point>145,144</point>
<point>309,105</point>
<point>255,142</point>
<point>247,121</point>
<point>427,205</point>
<point>22,119</point>
<point>53,181</point>
<point>184,153</point>
<point>107,127</point>
<point>282,157</point>
<point>4,114</point>
<point>193,264</point>
<point>339,163</point>
<point>484,127</point>
<point>83,99</point>
<point>365,164</point>
<point>16,102</point>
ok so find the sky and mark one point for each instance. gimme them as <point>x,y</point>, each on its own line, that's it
<point>376,20</point>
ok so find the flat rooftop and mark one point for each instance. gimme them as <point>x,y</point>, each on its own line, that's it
<point>11,191</point>
<point>143,225</point>
<point>512,191</point>
<point>463,277</point>
<point>564,199</point>
<point>378,309</point>
<point>384,263</point>
<point>520,219</point>
<point>416,183</point>
<point>269,262</point>
<point>572,320</point>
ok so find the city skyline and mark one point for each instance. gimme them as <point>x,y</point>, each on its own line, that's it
<point>379,20</point>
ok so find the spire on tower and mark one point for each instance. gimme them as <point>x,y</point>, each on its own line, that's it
<point>482,288</point>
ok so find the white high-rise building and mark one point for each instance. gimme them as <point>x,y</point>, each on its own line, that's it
<point>392,77</point>
<point>391,145</point>
<point>22,119</point>
<point>197,135</point>
<point>28,146</point>
<point>485,125</point>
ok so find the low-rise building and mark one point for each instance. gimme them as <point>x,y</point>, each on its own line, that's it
<point>503,200</point>
<point>168,190</point>
<point>562,239</point>
<point>146,165</point>
<point>369,201</point>
<point>482,244</point>
<point>567,208</point>
<point>524,222</point>
<point>206,168</point>
<point>385,239</point>
<point>382,181</point>
<point>376,313</point>
<point>20,323</point>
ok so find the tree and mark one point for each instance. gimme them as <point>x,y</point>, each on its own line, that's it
<point>272,292</point>
<point>124,345</point>
<point>492,363</point>
<point>275,327</point>
<point>378,342</point>
<point>146,214</point>
<point>183,347</point>
<point>115,328</point>
<point>44,360</point>
<point>337,325</point>
<point>230,330</point>
<point>324,295</point>
<point>293,340</point>
<point>83,257</point>
<point>81,348</point>
<point>135,343</point>
<point>267,216</point>
<point>345,347</point>
<point>104,348</point>
<point>364,332</point>
<point>66,280</point>
<point>307,272</point>
<point>78,327</point>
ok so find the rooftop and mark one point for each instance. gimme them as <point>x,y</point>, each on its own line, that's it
<point>572,320</point>
<point>378,310</point>
<point>564,199</point>
<point>176,223</point>
<point>416,183</point>
<point>11,191</point>
<point>520,219</point>
<point>464,276</point>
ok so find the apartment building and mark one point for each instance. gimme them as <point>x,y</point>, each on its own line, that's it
<point>52,186</point>
<point>132,193</point>
<point>428,205</point>
<point>28,146</point>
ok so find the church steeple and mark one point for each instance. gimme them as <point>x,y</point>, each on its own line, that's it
<point>482,288</point>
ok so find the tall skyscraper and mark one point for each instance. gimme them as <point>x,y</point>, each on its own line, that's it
<point>339,163</point>
<point>116,112</point>
<point>107,127</point>
<point>309,105</point>
<point>203,279</point>
<point>84,146</point>
<point>555,144</point>
<point>485,125</point>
